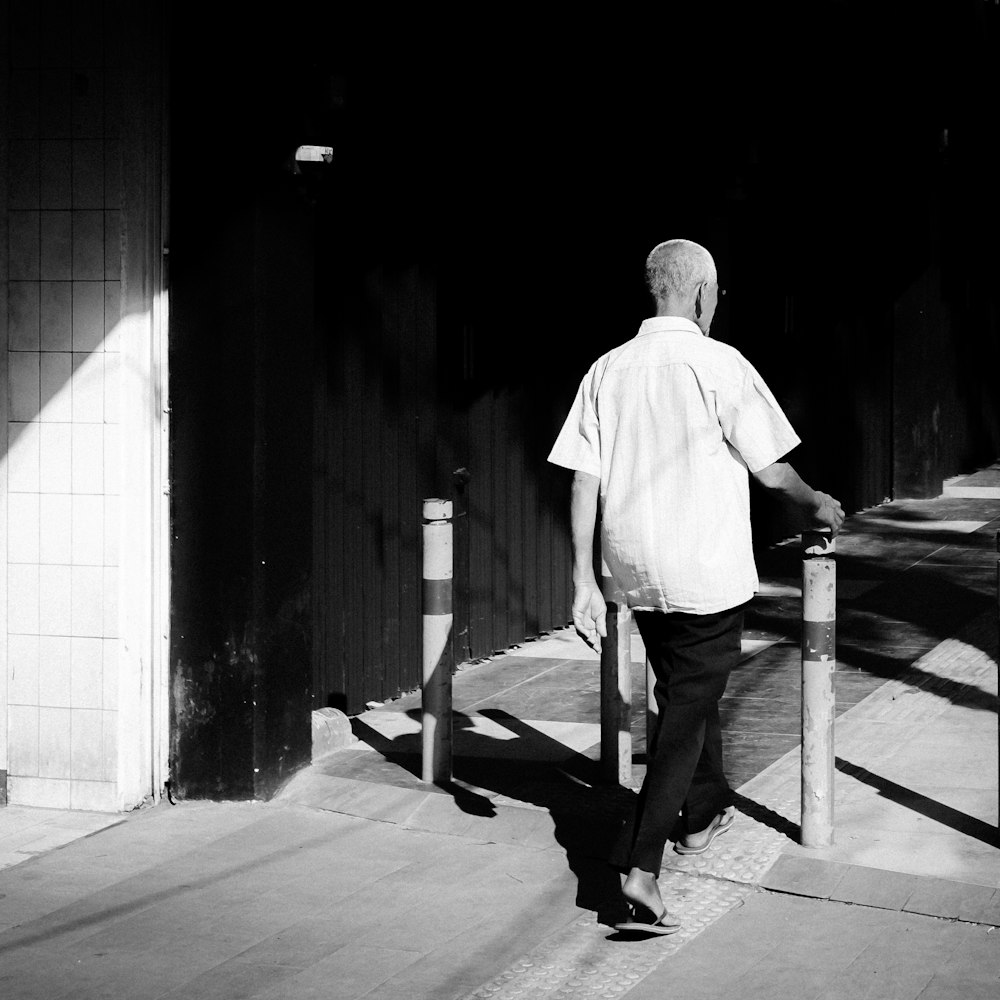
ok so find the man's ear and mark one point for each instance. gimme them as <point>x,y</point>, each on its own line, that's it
<point>698,307</point>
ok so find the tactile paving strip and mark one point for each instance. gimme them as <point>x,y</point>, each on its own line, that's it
<point>589,960</point>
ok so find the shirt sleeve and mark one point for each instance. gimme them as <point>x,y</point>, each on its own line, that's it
<point>578,445</point>
<point>754,424</point>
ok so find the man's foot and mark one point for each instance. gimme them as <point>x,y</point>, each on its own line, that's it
<point>647,913</point>
<point>638,924</point>
<point>698,843</point>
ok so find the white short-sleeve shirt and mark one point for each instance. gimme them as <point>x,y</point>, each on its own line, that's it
<point>670,422</point>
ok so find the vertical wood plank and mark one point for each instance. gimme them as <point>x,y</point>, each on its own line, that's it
<point>515,515</point>
<point>352,582</point>
<point>499,489</point>
<point>451,450</point>
<point>387,373</point>
<point>371,491</point>
<point>425,373</point>
<point>337,600</point>
<point>320,517</point>
<point>408,509</point>
<point>531,472</point>
<point>480,527</point>
<point>543,548</point>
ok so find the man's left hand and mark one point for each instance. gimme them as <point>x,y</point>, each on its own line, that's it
<point>590,614</point>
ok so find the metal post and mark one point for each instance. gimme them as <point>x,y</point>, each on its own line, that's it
<point>819,663</point>
<point>616,687</point>
<point>437,607</point>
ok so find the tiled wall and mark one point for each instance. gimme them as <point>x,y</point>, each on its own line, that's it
<point>62,462</point>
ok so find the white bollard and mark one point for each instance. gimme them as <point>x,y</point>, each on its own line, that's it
<point>436,723</point>
<point>819,663</point>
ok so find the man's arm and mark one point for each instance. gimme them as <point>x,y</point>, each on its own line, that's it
<point>782,479</point>
<point>589,608</point>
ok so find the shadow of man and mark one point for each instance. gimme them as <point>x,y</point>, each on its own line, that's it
<point>537,770</point>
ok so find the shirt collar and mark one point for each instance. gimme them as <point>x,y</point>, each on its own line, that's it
<point>668,324</point>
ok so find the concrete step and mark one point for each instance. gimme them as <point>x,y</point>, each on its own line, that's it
<point>981,485</point>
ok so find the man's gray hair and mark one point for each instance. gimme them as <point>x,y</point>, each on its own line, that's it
<point>675,268</point>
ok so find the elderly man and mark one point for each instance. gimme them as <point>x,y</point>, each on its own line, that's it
<point>665,429</point>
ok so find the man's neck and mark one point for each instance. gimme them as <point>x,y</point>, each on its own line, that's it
<point>672,307</point>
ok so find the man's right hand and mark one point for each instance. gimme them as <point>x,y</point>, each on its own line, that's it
<point>829,513</point>
<point>590,612</point>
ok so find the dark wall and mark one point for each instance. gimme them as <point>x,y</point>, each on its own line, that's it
<point>241,361</point>
<point>476,244</point>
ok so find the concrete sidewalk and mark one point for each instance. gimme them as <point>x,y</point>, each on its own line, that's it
<point>359,881</point>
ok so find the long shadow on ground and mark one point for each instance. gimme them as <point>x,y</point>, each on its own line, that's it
<point>534,769</point>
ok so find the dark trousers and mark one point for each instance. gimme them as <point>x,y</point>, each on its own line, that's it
<point>685,785</point>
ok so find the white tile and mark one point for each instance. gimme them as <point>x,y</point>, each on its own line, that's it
<point>87,745</point>
<point>88,530</point>
<point>88,172</point>
<point>112,387</point>
<point>111,530</point>
<point>88,458</point>
<point>22,457</point>
<point>112,253</point>
<point>113,459</point>
<point>56,536</point>
<point>55,608</point>
<point>22,736</point>
<point>113,320</point>
<point>88,296</point>
<point>22,599</point>
<point>54,743</point>
<point>99,796</point>
<point>110,602</point>
<point>24,385</point>
<point>22,527</point>
<point>88,388</point>
<point>56,231</point>
<point>22,669</point>
<point>23,229</point>
<point>55,461</point>
<point>23,315</point>
<point>88,600</point>
<point>55,671</point>
<point>110,674</point>
<point>56,315</point>
<point>87,666</point>
<point>56,370</point>
<point>43,793</point>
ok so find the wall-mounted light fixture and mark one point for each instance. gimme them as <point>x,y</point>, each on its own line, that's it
<point>314,154</point>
